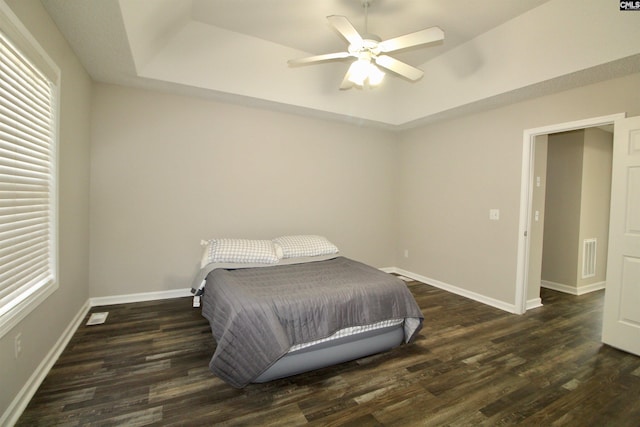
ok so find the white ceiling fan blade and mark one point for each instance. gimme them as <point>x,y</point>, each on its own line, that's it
<point>428,35</point>
<point>347,30</point>
<point>398,67</point>
<point>318,58</point>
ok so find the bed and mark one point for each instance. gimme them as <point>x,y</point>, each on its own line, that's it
<point>289,308</point>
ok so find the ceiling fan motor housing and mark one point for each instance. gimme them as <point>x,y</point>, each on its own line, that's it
<point>369,45</point>
<point>371,52</point>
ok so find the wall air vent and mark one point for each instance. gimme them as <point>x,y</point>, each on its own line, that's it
<point>589,247</point>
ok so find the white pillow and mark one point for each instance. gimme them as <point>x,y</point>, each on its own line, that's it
<point>241,251</point>
<point>305,245</point>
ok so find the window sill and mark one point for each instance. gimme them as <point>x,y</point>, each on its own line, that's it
<point>15,315</point>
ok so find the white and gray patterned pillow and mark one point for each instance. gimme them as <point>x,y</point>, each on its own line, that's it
<point>305,245</point>
<point>241,251</point>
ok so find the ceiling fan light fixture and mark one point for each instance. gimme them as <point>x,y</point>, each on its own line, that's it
<point>359,71</point>
<point>376,75</point>
<point>363,70</point>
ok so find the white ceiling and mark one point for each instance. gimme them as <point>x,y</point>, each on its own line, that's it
<point>236,50</point>
<point>302,25</point>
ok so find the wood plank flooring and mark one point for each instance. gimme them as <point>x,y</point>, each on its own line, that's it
<point>471,365</point>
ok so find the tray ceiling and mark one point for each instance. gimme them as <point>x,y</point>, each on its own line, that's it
<point>495,51</point>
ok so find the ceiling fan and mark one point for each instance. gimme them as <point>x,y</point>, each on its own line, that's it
<point>370,52</point>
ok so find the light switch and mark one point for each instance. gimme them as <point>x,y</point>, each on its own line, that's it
<point>537,216</point>
<point>494,214</point>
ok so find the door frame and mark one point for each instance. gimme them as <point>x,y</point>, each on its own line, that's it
<point>526,194</point>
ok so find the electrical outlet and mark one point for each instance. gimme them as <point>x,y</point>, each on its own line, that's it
<point>406,253</point>
<point>17,344</point>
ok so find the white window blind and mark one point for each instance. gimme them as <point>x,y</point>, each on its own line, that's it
<point>27,193</point>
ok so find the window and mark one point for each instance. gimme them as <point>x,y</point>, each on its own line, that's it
<point>28,196</point>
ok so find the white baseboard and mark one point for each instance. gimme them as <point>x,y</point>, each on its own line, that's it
<point>511,308</point>
<point>18,405</point>
<point>560,287</point>
<point>567,289</point>
<point>145,296</point>
<point>591,288</point>
<point>534,303</point>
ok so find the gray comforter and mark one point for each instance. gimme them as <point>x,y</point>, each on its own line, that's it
<point>257,314</point>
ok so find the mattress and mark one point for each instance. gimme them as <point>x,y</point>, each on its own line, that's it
<point>336,350</point>
<point>346,332</point>
<point>258,315</point>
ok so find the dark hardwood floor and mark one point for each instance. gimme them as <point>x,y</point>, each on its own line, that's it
<point>472,364</point>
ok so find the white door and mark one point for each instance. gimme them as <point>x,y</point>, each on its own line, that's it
<point>621,320</point>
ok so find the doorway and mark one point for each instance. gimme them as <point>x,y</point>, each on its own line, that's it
<point>571,207</point>
<point>527,211</point>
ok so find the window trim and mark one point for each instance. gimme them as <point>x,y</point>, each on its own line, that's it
<point>18,34</point>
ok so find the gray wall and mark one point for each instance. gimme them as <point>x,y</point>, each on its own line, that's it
<point>45,325</point>
<point>563,198</point>
<point>595,200</point>
<point>168,171</point>
<point>453,172</point>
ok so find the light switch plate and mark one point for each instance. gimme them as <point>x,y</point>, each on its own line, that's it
<point>494,214</point>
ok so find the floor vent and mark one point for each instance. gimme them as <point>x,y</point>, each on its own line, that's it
<point>589,247</point>
<point>97,318</point>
